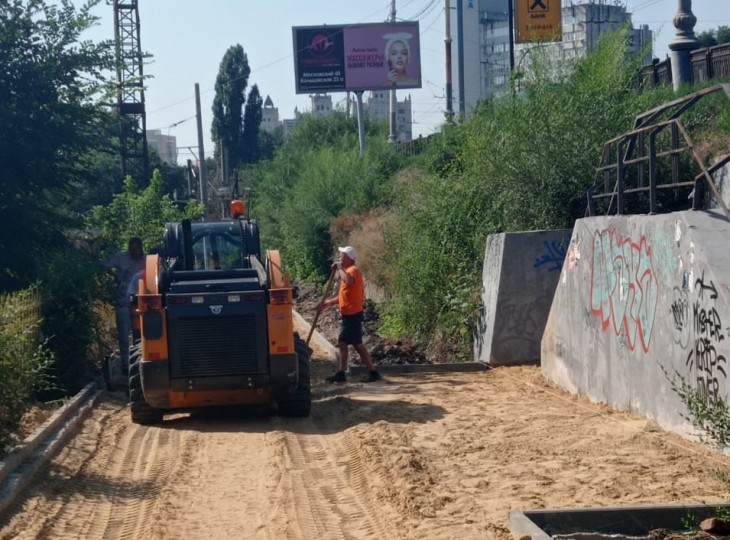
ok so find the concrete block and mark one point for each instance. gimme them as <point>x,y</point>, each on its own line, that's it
<point>520,274</point>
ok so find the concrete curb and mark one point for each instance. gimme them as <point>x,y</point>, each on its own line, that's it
<point>334,352</point>
<point>317,338</point>
<point>522,527</point>
<point>22,463</point>
<point>461,367</point>
<point>606,522</point>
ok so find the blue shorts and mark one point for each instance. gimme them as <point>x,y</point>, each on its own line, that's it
<point>351,329</point>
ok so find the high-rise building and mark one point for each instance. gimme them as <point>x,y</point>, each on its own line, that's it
<point>481,51</point>
<point>321,105</point>
<point>166,145</point>
<point>378,107</point>
<point>269,116</point>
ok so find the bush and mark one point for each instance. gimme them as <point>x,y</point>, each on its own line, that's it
<point>24,362</point>
<point>522,162</point>
<point>71,282</point>
<point>318,176</point>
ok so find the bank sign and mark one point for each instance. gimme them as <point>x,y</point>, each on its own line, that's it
<point>538,20</point>
<point>356,57</point>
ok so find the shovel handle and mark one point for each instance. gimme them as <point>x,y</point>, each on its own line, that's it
<point>327,290</point>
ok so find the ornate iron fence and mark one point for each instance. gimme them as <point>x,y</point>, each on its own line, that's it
<point>707,64</point>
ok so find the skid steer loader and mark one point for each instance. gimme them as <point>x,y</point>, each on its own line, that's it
<point>216,325</point>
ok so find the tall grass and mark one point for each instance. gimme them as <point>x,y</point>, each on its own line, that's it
<point>24,360</point>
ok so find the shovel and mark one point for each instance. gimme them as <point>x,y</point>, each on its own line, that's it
<point>327,292</point>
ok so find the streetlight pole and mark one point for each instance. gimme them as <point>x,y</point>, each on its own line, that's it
<point>511,27</point>
<point>684,43</point>
<point>393,101</point>
<point>449,88</point>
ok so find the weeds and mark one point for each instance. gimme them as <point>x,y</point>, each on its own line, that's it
<point>25,361</point>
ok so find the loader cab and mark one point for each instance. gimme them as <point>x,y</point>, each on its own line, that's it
<point>218,246</point>
<point>212,245</point>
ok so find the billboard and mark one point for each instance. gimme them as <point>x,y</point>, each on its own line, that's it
<point>538,20</point>
<point>357,57</point>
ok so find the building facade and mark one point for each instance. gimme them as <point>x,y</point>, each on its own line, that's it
<point>165,145</point>
<point>321,105</point>
<point>378,107</point>
<point>269,116</point>
<point>481,50</point>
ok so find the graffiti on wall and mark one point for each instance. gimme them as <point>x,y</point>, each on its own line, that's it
<point>552,258</point>
<point>698,327</point>
<point>521,322</point>
<point>680,310</point>
<point>624,287</point>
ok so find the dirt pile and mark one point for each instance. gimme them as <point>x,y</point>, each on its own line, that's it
<point>384,351</point>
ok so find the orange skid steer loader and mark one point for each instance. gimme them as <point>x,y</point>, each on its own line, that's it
<point>216,325</point>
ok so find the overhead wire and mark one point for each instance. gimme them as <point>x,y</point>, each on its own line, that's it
<point>265,66</point>
<point>428,9</point>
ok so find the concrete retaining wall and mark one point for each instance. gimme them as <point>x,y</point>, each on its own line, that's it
<point>642,298</point>
<point>521,271</point>
<point>722,181</point>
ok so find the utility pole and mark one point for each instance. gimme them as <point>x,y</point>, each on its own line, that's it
<point>201,151</point>
<point>360,121</point>
<point>447,42</point>
<point>511,20</point>
<point>393,102</point>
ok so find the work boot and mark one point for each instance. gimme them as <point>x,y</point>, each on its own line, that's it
<point>338,376</point>
<point>373,376</point>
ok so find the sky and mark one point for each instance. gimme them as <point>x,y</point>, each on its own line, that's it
<point>187,40</point>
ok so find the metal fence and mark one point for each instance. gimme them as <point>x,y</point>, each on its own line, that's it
<point>416,146</point>
<point>707,64</point>
<point>656,167</point>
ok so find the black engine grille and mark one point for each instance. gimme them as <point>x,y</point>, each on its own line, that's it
<point>213,346</point>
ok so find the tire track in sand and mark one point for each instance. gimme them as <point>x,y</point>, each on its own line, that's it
<point>330,488</point>
<point>104,484</point>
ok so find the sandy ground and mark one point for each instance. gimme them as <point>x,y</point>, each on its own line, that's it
<point>411,457</point>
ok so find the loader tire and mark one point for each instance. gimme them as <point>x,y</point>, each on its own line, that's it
<point>298,404</point>
<point>142,413</point>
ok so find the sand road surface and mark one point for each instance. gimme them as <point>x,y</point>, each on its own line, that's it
<point>415,457</point>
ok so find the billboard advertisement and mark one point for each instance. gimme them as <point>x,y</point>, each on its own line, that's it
<point>357,57</point>
<point>538,20</point>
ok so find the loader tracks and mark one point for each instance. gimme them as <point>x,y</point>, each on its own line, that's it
<point>330,488</point>
<point>104,484</point>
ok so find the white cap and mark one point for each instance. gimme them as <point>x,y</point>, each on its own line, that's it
<point>349,251</point>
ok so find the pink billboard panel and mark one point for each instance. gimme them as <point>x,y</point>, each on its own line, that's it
<point>374,57</point>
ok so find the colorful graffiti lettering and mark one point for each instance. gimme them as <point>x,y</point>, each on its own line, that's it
<point>624,286</point>
<point>553,257</point>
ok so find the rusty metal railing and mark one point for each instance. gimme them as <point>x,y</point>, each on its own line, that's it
<point>630,163</point>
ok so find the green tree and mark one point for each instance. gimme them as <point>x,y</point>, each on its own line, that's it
<point>707,38</point>
<point>230,97</point>
<point>142,213</point>
<point>51,84</point>
<point>318,176</point>
<point>723,34</point>
<point>251,146</point>
<point>718,36</point>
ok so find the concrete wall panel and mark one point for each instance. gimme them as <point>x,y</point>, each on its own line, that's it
<point>640,299</point>
<point>520,273</point>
